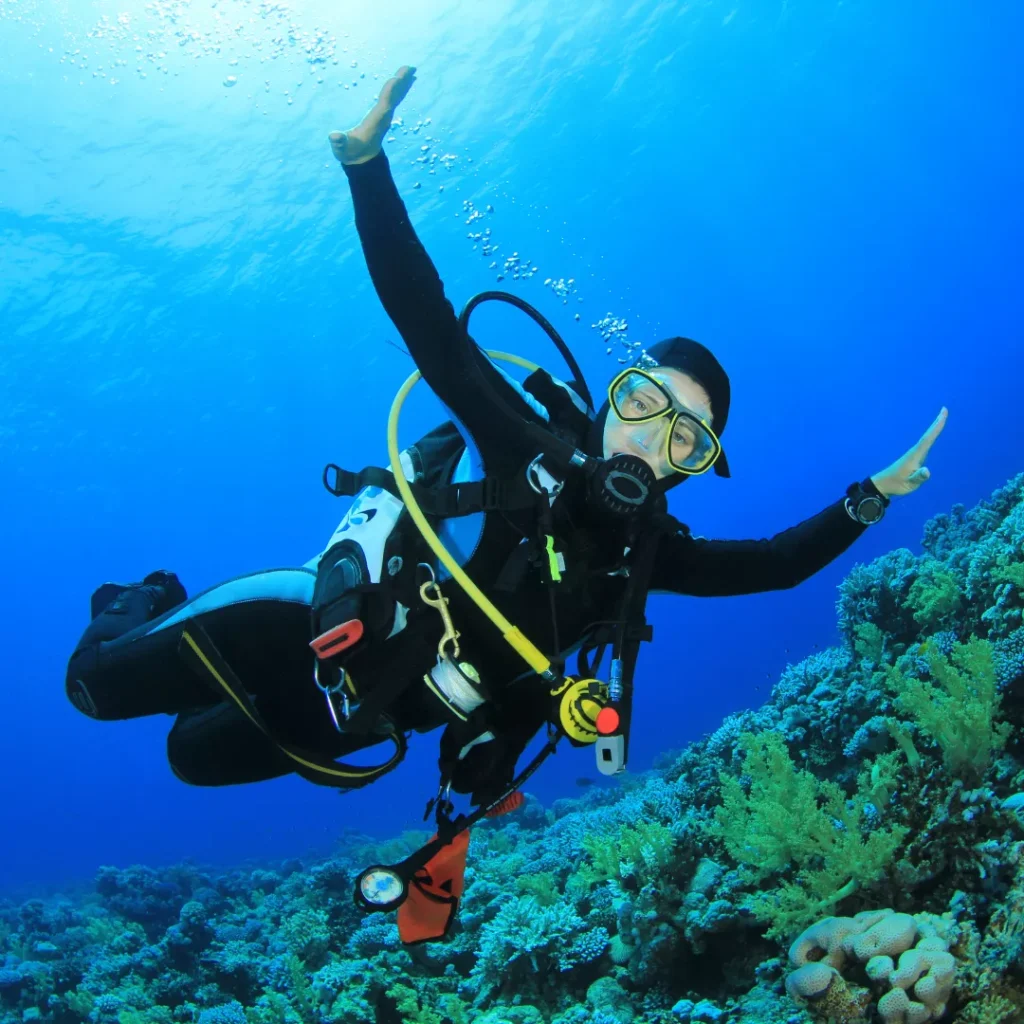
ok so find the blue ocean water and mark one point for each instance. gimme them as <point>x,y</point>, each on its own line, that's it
<point>826,194</point>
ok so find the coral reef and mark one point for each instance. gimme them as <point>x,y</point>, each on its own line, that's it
<point>886,772</point>
<point>916,988</point>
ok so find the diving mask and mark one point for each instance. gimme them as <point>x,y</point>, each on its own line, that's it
<point>691,446</point>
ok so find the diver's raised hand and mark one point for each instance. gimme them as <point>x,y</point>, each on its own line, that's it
<point>906,474</point>
<point>363,142</point>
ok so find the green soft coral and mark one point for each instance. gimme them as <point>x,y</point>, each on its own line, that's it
<point>869,642</point>
<point>153,1015</point>
<point>273,1008</point>
<point>935,597</point>
<point>789,818</point>
<point>308,935</point>
<point>879,780</point>
<point>1012,573</point>
<point>958,707</point>
<point>302,989</point>
<point>541,885</point>
<point>408,1008</point>
<point>644,850</point>
<point>414,1009</point>
<point>80,1002</point>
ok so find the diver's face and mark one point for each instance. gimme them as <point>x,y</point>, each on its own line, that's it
<point>648,440</point>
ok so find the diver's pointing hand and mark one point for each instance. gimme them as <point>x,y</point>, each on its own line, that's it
<point>909,472</point>
<point>363,142</point>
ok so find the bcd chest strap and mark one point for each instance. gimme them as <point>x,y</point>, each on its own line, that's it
<point>441,501</point>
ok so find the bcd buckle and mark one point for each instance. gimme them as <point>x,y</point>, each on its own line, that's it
<point>338,639</point>
<point>492,494</point>
<point>338,481</point>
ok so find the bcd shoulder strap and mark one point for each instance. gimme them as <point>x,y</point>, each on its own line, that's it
<point>567,410</point>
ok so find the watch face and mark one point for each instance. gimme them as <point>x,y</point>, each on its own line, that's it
<point>870,509</point>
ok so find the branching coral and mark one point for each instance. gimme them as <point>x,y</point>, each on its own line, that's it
<point>527,940</point>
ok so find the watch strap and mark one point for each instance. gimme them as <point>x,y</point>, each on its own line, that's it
<point>857,493</point>
<point>869,487</point>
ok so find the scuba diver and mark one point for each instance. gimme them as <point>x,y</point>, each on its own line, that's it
<point>526,530</point>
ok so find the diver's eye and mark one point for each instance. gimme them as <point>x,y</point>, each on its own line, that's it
<point>639,405</point>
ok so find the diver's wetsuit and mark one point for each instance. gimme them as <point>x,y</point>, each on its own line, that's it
<point>412,294</point>
<point>267,643</point>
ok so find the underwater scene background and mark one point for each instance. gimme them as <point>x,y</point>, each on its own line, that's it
<point>820,820</point>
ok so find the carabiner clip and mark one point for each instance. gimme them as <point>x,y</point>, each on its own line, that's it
<point>442,801</point>
<point>329,693</point>
<point>438,601</point>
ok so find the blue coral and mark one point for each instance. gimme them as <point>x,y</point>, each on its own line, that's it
<point>1009,659</point>
<point>106,1007</point>
<point>140,894</point>
<point>876,594</point>
<point>526,940</point>
<point>12,981</point>
<point>226,1013</point>
<point>377,933</point>
<point>586,947</point>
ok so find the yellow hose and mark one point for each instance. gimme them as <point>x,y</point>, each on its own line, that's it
<point>526,650</point>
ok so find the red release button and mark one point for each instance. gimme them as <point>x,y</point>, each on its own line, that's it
<point>607,721</point>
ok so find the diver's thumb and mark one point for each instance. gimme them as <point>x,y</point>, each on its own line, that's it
<point>339,144</point>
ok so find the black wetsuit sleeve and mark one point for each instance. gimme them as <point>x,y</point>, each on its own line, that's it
<point>724,568</point>
<point>412,295</point>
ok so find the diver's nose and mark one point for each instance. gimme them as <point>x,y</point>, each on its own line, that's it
<point>645,438</point>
